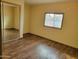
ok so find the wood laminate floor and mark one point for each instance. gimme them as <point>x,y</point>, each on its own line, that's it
<point>35,47</point>
<point>10,35</point>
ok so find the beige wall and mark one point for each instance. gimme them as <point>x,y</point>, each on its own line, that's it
<point>68,34</point>
<point>8,16</point>
<point>26,18</point>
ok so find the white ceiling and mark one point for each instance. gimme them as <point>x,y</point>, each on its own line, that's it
<point>45,1</point>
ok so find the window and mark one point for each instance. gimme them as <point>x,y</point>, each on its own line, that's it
<point>53,20</point>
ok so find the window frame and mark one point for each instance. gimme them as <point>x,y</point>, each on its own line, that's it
<point>52,26</point>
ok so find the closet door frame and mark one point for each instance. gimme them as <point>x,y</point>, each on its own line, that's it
<point>19,6</point>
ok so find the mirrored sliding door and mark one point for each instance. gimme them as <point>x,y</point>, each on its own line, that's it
<point>10,22</point>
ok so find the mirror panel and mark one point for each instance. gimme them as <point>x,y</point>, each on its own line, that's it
<point>10,22</point>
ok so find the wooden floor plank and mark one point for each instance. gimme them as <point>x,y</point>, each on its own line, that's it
<point>35,47</point>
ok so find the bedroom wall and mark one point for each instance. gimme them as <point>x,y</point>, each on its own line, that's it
<point>68,34</point>
<point>27,9</point>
